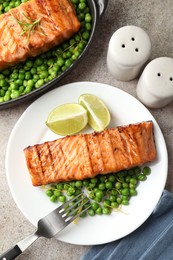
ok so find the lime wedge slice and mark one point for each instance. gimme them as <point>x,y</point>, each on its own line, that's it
<point>98,114</point>
<point>67,119</point>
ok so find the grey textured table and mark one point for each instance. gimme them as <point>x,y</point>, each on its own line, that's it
<point>157,19</point>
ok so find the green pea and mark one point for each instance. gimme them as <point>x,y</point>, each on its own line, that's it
<point>19,82</point>
<point>88,18</point>
<point>5,4</point>
<point>33,71</point>
<point>142,177</point>
<point>49,193</point>
<point>78,184</point>
<point>99,194</point>
<point>2,92</point>
<point>15,94</point>
<point>6,9</point>
<point>88,27</point>
<point>125,202</point>
<point>125,185</point>
<point>21,76</point>
<point>91,212</point>
<point>38,61</point>
<point>92,195</point>
<point>106,202</point>
<point>119,200</point>
<point>114,204</point>
<point>14,75</point>
<point>102,186</point>
<point>36,77</point>
<point>30,83</point>
<point>28,75</point>
<point>118,185</point>
<point>112,198</point>
<point>99,211</point>
<point>21,89</point>
<point>106,210</point>
<point>57,193</point>
<point>68,63</point>
<point>94,206</point>
<point>114,192</point>
<point>71,190</point>
<point>53,198</point>
<point>62,199</point>
<point>17,3</point>
<point>60,186</point>
<point>98,199</point>
<point>7,97</point>
<point>133,181</point>
<point>29,63</point>
<point>133,192</point>
<point>44,74</point>
<point>39,83</point>
<point>81,6</point>
<point>146,170</point>
<point>109,185</point>
<point>3,83</point>
<point>28,89</point>
<point>125,191</point>
<point>112,178</point>
<point>55,68</point>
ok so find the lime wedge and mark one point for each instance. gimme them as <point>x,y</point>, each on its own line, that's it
<point>67,119</point>
<point>98,114</point>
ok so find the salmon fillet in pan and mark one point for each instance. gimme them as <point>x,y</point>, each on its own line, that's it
<point>86,155</point>
<point>56,21</point>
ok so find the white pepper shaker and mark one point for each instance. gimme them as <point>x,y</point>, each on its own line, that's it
<point>155,86</point>
<point>129,49</point>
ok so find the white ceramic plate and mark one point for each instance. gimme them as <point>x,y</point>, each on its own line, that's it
<point>31,129</point>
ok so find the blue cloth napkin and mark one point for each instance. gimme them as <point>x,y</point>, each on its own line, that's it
<point>152,240</point>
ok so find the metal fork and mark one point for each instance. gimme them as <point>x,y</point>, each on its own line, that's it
<point>51,225</point>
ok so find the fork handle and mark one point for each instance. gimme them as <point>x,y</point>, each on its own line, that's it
<point>16,250</point>
<point>12,253</point>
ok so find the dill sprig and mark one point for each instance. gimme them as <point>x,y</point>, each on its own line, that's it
<point>29,27</point>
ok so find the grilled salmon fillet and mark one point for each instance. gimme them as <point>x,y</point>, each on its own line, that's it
<point>55,21</point>
<point>87,155</point>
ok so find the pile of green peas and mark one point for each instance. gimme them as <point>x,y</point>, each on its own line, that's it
<point>34,73</point>
<point>106,193</point>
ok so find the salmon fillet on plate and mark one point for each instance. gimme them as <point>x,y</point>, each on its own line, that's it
<point>84,156</point>
<point>50,23</point>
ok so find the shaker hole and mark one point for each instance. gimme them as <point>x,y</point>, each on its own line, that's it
<point>133,39</point>
<point>158,74</point>
<point>136,49</point>
<point>123,45</point>
<point>171,78</point>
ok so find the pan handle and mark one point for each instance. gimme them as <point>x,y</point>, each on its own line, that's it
<point>101,6</point>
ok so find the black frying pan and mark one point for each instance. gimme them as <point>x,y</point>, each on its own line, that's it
<point>97,8</point>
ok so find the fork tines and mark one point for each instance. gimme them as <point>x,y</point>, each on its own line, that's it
<point>73,208</point>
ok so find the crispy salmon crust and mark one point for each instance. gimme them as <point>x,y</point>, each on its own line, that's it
<point>87,155</point>
<point>56,22</point>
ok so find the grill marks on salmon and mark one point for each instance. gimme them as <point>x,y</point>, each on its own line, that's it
<point>86,155</point>
<point>57,22</point>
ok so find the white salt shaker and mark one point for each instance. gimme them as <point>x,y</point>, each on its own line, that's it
<point>155,85</point>
<point>129,49</point>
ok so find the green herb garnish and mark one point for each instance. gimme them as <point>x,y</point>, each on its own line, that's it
<point>30,26</point>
